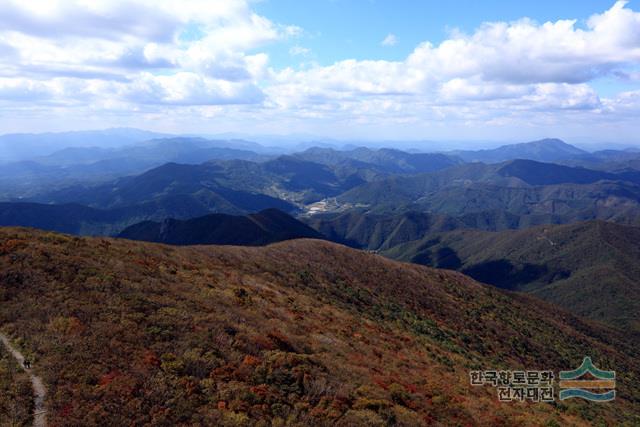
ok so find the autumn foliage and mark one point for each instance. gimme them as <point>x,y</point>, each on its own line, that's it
<point>298,333</point>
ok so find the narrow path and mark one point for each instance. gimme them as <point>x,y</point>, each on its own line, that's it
<point>39,390</point>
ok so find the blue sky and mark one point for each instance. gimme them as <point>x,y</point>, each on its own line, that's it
<point>342,29</point>
<point>341,69</point>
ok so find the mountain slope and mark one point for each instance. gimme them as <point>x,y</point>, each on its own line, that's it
<point>385,159</point>
<point>83,220</point>
<point>545,150</point>
<point>70,218</point>
<point>268,226</point>
<point>210,185</point>
<point>16,147</point>
<point>590,268</point>
<point>248,186</point>
<point>94,165</point>
<point>303,332</point>
<point>569,194</point>
<point>537,173</point>
<point>378,232</point>
<point>153,152</point>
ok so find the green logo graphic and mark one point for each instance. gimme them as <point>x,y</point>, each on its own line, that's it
<point>599,388</point>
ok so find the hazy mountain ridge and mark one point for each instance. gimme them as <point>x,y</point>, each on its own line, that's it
<point>285,179</point>
<point>84,165</point>
<point>76,165</point>
<point>513,194</point>
<point>386,159</point>
<point>23,146</point>
<point>544,150</point>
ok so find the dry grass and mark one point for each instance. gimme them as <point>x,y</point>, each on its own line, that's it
<point>16,401</point>
<point>298,333</point>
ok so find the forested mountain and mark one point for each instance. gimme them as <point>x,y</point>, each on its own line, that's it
<point>288,179</point>
<point>91,165</point>
<point>384,159</point>
<point>268,226</point>
<point>590,268</point>
<point>544,150</point>
<point>533,192</point>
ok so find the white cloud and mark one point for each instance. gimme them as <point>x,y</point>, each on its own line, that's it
<point>299,51</point>
<point>126,41</point>
<point>389,40</point>
<point>24,90</point>
<point>187,88</point>
<point>506,67</point>
<point>204,59</point>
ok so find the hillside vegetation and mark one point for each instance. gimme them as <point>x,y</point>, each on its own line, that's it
<point>304,332</point>
<point>590,268</point>
<point>15,393</point>
<point>533,192</point>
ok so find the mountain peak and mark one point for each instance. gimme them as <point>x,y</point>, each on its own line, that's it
<point>543,150</point>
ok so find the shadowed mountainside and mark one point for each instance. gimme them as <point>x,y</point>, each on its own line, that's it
<point>268,226</point>
<point>78,219</point>
<point>590,268</point>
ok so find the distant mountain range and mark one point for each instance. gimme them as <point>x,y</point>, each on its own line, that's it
<point>24,146</point>
<point>533,191</point>
<point>268,226</point>
<point>225,186</point>
<point>513,194</point>
<point>386,160</point>
<point>230,186</point>
<point>545,150</point>
<point>93,165</point>
<point>155,152</point>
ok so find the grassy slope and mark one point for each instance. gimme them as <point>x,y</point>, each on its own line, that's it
<point>590,268</point>
<point>15,393</point>
<point>298,333</point>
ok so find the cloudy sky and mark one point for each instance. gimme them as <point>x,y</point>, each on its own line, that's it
<point>375,69</point>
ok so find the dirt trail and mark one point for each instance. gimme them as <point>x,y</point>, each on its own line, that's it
<point>39,390</point>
